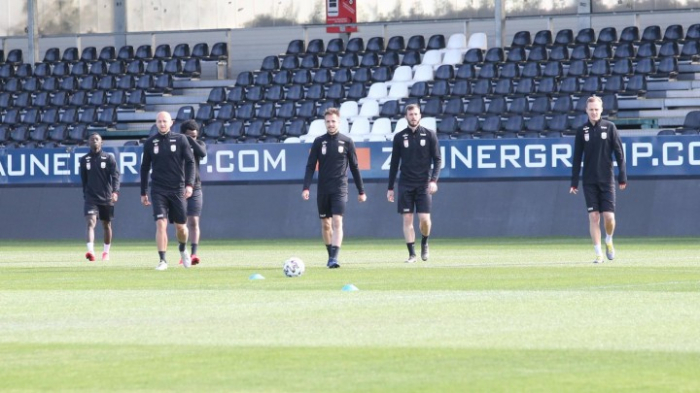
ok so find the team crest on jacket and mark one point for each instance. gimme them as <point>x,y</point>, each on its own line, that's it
<point>173,148</point>
<point>323,148</point>
<point>405,143</point>
<point>155,149</point>
<point>422,142</point>
<point>103,165</point>
<point>88,165</point>
<point>603,135</point>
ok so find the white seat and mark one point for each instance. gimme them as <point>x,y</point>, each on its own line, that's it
<point>397,92</point>
<point>432,57</point>
<point>402,74</point>
<point>360,127</point>
<point>429,123</point>
<point>381,127</point>
<point>477,40</point>
<point>376,92</point>
<point>316,129</point>
<point>370,108</point>
<point>400,125</point>
<point>357,138</point>
<point>457,41</point>
<point>348,109</point>
<point>292,139</point>
<point>424,73</point>
<point>344,125</point>
<point>452,57</point>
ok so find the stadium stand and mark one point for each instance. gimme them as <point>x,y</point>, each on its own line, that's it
<point>535,85</point>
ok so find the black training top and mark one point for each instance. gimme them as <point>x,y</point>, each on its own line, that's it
<point>171,158</point>
<point>416,150</point>
<point>596,144</point>
<point>199,150</point>
<point>333,153</point>
<point>100,177</point>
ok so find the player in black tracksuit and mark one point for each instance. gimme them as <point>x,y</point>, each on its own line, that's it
<point>334,153</point>
<point>415,148</point>
<point>99,175</point>
<point>596,143</point>
<point>170,157</point>
<point>196,201</point>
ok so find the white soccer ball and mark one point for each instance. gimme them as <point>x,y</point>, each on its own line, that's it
<point>293,267</point>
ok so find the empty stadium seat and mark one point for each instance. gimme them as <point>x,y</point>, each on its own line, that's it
<point>416,43</point>
<point>651,34</point>
<point>473,56</point>
<point>607,35</point>
<point>89,54</point>
<point>629,34</point>
<point>522,38</point>
<point>396,44</point>
<point>436,41</point>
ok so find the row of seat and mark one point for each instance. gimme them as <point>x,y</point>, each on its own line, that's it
<point>200,51</point>
<point>564,37</point>
<point>248,112</point>
<point>666,67</point>
<point>635,85</point>
<point>607,35</point>
<point>102,116</point>
<point>190,68</point>
<point>44,135</point>
<point>33,85</point>
<point>565,54</point>
<point>562,54</point>
<point>374,44</point>
<point>134,99</point>
<point>477,106</point>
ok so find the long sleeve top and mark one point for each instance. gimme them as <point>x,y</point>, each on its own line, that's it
<point>170,156</point>
<point>596,144</point>
<point>333,154</point>
<point>415,151</point>
<point>99,175</point>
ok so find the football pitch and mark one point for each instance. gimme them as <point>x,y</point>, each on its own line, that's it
<point>492,315</point>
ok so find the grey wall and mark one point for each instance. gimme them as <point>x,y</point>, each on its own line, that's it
<point>475,209</point>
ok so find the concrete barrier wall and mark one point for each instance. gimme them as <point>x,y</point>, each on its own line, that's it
<point>472,209</point>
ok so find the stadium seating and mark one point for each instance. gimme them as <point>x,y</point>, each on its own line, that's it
<point>457,77</point>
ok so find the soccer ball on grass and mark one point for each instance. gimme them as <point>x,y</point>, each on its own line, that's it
<point>293,267</point>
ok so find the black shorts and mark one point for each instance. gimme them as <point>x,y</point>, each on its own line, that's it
<point>195,203</point>
<point>414,199</point>
<point>171,205</point>
<point>103,212</point>
<point>331,204</point>
<point>600,197</point>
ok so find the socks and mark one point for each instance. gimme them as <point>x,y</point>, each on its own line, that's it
<point>91,247</point>
<point>598,250</point>
<point>328,248</point>
<point>105,247</point>
<point>411,248</point>
<point>424,241</point>
<point>334,252</point>
<point>194,248</point>
<point>162,255</point>
<point>182,247</point>
<point>608,239</point>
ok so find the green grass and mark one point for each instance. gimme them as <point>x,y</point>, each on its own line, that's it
<point>482,315</point>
